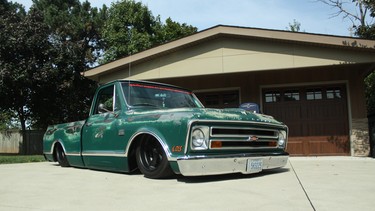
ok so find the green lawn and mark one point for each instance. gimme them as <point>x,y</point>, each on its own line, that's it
<point>6,159</point>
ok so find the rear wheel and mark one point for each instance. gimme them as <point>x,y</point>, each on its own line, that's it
<point>61,157</point>
<point>152,160</point>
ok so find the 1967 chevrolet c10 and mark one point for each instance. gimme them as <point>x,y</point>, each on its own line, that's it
<point>164,130</point>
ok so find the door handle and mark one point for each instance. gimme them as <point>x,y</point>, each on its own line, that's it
<point>88,124</point>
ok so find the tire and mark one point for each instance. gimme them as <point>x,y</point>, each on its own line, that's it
<point>152,160</point>
<point>61,157</point>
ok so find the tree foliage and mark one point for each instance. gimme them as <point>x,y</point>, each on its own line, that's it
<point>44,51</point>
<point>370,93</point>
<point>131,28</point>
<point>7,119</point>
<point>75,37</point>
<point>24,55</point>
<point>365,29</point>
<point>172,30</point>
<point>42,55</point>
<point>363,20</point>
<point>295,26</point>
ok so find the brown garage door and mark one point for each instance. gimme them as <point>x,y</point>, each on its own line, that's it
<point>317,117</point>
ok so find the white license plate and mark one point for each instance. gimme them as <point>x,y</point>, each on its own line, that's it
<point>254,165</point>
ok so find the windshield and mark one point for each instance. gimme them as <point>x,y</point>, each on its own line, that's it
<point>154,95</point>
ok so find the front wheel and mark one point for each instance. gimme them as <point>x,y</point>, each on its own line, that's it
<point>61,157</point>
<point>152,160</point>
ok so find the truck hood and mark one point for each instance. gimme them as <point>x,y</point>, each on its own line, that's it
<point>180,114</point>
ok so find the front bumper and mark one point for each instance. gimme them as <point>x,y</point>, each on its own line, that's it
<point>239,163</point>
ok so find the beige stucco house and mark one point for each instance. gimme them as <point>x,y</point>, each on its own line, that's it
<point>312,82</point>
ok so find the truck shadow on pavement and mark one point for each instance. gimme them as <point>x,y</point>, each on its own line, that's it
<point>196,179</point>
<point>224,177</point>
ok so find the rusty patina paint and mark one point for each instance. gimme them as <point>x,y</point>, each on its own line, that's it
<point>103,141</point>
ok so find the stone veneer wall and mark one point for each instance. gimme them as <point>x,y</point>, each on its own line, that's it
<point>360,140</point>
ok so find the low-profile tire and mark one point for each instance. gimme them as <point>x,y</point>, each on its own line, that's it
<point>152,160</point>
<point>61,156</point>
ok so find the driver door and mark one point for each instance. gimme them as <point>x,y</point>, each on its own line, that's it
<point>102,142</point>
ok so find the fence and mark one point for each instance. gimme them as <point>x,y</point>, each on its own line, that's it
<point>12,142</point>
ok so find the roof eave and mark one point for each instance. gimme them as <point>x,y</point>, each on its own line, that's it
<point>317,39</point>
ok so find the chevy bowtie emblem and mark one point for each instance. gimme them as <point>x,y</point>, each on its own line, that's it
<point>253,138</point>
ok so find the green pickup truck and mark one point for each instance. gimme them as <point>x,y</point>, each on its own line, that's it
<point>164,130</point>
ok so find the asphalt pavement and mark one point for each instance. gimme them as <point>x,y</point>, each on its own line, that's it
<point>306,183</point>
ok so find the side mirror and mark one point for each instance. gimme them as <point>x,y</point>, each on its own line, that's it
<point>102,109</point>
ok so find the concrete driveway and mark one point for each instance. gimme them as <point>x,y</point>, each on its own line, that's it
<point>313,183</point>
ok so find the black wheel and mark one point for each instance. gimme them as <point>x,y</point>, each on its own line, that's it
<point>152,161</point>
<point>61,157</point>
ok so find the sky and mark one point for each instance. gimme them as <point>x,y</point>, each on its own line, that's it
<point>314,16</point>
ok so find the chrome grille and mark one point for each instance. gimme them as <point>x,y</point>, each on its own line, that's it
<point>242,138</point>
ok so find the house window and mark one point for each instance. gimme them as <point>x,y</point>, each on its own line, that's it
<point>333,93</point>
<point>230,99</point>
<point>272,97</point>
<point>211,100</point>
<point>220,99</point>
<point>314,94</point>
<point>291,95</point>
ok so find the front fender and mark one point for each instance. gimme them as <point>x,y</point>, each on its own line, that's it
<point>172,141</point>
<point>158,136</point>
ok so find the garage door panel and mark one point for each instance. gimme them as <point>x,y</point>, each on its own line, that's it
<point>296,146</point>
<point>317,118</point>
<point>295,128</point>
<point>292,111</point>
<point>328,128</point>
<point>318,145</point>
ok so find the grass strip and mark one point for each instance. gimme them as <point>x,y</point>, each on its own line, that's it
<point>8,159</point>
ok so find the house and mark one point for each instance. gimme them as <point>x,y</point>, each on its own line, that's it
<point>312,82</point>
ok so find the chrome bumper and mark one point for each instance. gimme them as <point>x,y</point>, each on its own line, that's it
<point>202,165</point>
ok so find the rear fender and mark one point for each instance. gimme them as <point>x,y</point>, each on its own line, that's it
<point>53,148</point>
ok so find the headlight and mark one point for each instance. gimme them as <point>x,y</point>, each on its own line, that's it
<point>282,139</point>
<point>199,138</point>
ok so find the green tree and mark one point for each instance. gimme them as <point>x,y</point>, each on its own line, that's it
<point>131,28</point>
<point>368,31</point>
<point>127,29</point>
<point>42,55</point>
<point>172,30</point>
<point>44,51</point>
<point>370,93</point>
<point>24,54</point>
<point>295,26</point>
<point>75,35</point>
<point>6,118</point>
<point>363,20</point>
<point>365,29</point>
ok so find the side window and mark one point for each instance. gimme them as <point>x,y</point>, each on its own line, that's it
<point>104,98</point>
